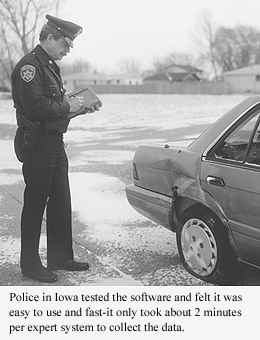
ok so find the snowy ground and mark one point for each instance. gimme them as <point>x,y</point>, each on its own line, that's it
<point>100,149</point>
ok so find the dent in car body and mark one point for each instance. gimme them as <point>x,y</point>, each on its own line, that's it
<point>161,173</point>
<point>162,170</point>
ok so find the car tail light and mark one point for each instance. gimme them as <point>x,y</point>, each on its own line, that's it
<point>135,173</point>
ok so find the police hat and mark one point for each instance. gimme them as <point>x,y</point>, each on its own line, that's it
<point>68,29</point>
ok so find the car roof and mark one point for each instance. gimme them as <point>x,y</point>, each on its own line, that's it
<point>214,131</point>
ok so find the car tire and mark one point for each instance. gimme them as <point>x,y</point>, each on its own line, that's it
<point>204,248</point>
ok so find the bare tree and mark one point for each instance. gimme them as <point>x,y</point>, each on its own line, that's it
<point>19,25</point>
<point>237,47</point>
<point>77,66</point>
<point>177,58</point>
<point>129,65</point>
<point>204,38</point>
<point>57,7</point>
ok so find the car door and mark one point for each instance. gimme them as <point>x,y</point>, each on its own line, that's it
<point>230,172</point>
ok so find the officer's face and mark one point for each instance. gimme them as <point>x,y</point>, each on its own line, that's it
<point>58,48</point>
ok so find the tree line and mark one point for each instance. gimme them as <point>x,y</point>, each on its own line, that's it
<point>20,21</point>
<point>221,48</point>
<point>224,48</point>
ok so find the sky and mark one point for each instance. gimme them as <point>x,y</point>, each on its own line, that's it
<point>144,30</point>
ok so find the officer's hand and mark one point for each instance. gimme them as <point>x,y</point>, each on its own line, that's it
<point>93,108</point>
<point>90,109</point>
<point>76,103</point>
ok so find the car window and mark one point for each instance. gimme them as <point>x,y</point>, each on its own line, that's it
<point>234,147</point>
<point>253,155</point>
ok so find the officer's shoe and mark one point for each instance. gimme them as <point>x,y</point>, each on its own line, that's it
<point>41,274</point>
<point>70,265</point>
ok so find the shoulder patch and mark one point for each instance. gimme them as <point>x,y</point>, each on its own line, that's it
<point>27,73</point>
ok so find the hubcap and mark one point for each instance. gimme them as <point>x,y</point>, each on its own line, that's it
<point>199,247</point>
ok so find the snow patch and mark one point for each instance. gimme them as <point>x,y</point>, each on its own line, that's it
<point>8,159</point>
<point>10,249</point>
<point>104,156</point>
<point>102,206</point>
<point>101,200</point>
<point>9,179</point>
<point>138,142</point>
<point>7,112</point>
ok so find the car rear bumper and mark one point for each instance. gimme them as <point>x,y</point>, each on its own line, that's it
<point>155,206</point>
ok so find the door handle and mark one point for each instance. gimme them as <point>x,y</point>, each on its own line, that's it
<point>216,181</point>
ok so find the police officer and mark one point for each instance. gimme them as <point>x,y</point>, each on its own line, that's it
<point>39,97</point>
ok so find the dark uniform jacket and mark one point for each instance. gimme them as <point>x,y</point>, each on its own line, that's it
<point>38,94</point>
<point>38,91</point>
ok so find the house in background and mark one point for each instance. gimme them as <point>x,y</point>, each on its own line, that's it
<point>175,73</point>
<point>74,80</point>
<point>124,79</point>
<point>246,79</point>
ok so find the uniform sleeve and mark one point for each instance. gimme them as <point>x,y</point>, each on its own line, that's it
<point>38,103</point>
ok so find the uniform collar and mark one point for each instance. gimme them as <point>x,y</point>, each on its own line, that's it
<point>44,56</point>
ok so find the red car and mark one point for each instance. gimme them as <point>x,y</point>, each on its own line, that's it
<point>208,193</point>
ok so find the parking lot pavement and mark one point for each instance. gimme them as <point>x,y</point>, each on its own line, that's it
<point>112,260</point>
<point>10,209</point>
<point>123,248</point>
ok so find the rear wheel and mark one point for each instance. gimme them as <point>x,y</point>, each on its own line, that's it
<point>204,248</point>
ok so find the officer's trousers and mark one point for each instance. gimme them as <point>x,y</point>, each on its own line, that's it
<point>46,185</point>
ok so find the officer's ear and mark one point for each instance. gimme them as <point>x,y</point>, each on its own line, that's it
<point>49,37</point>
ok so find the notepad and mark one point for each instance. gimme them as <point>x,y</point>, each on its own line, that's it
<point>90,98</point>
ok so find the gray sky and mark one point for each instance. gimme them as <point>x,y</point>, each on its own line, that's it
<point>146,29</point>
